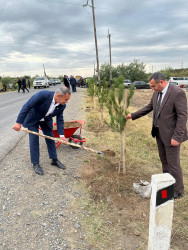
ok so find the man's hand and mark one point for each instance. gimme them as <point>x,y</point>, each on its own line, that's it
<point>63,139</point>
<point>129,116</point>
<point>174,143</point>
<point>17,126</point>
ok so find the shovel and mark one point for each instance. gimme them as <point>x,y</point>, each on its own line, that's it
<point>59,140</point>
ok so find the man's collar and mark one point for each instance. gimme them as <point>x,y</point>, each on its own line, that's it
<point>165,89</point>
<point>53,101</point>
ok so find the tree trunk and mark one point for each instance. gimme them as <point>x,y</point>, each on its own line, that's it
<point>124,135</point>
<point>120,157</point>
<point>101,110</point>
<point>124,150</point>
<point>125,98</point>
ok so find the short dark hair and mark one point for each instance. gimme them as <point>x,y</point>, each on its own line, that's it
<point>157,76</point>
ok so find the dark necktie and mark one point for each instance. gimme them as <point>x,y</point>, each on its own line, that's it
<point>157,109</point>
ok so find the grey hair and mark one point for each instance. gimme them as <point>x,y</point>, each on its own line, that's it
<point>157,76</point>
<point>63,91</point>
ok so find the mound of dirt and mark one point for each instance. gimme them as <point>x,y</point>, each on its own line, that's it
<point>109,153</point>
<point>69,125</point>
<point>104,183</point>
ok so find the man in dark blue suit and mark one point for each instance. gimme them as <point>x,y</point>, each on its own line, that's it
<point>38,111</point>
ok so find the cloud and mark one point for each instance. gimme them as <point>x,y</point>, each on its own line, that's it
<point>59,34</point>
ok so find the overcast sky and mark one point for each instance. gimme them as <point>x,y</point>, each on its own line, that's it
<point>59,34</point>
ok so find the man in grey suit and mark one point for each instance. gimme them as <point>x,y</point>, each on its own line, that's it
<point>169,106</point>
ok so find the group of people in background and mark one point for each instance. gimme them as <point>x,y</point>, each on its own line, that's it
<point>22,84</point>
<point>71,82</point>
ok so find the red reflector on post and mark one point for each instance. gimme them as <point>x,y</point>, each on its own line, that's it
<point>164,194</point>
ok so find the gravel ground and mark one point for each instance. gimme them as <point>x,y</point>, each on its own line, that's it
<point>35,210</point>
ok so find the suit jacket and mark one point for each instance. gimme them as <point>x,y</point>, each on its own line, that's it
<point>36,108</point>
<point>172,116</point>
<point>24,82</point>
<point>72,81</point>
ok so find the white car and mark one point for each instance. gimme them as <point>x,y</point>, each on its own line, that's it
<point>41,82</point>
<point>182,81</point>
<point>127,83</point>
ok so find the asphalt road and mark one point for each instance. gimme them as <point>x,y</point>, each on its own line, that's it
<point>10,105</point>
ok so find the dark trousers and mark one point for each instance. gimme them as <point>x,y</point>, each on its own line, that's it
<point>170,158</point>
<point>34,142</point>
<point>24,87</point>
<point>73,87</point>
<point>19,87</point>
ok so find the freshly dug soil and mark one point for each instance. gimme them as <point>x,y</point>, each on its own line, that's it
<point>69,125</point>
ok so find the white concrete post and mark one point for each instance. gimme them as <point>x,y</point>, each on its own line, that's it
<point>161,211</point>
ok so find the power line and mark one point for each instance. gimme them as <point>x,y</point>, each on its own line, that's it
<point>122,10</point>
<point>62,2</point>
<point>130,11</point>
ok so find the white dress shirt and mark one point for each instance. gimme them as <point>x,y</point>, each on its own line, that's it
<point>51,110</point>
<point>164,92</point>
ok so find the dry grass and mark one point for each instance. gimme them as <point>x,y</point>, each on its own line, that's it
<point>141,158</point>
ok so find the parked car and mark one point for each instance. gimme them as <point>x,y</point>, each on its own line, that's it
<point>141,85</point>
<point>127,83</point>
<point>41,82</point>
<point>57,81</point>
<point>174,83</point>
<point>182,81</point>
<point>51,82</point>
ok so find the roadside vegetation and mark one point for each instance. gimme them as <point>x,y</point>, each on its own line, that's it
<point>135,71</point>
<point>112,213</point>
<point>117,212</point>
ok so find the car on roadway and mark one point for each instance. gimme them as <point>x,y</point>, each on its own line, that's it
<point>127,83</point>
<point>57,81</point>
<point>51,81</point>
<point>41,82</point>
<point>141,85</point>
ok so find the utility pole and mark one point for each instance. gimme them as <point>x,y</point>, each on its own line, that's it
<point>95,34</point>
<point>109,36</point>
<point>94,69</point>
<point>44,70</point>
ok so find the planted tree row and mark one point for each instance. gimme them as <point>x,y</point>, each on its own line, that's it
<point>117,100</point>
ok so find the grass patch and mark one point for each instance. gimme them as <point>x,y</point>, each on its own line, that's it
<point>142,161</point>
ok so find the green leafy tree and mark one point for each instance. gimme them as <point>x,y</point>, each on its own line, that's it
<point>119,101</point>
<point>168,72</point>
<point>6,81</point>
<point>92,90</point>
<point>105,72</point>
<point>134,71</point>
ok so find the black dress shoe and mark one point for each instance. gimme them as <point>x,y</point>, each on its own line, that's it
<point>58,164</point>
<point>177,195</point>
<point>38,169</point>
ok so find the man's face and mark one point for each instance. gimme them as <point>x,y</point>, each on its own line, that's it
<point>62,99</point>
<point>157,86</point>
